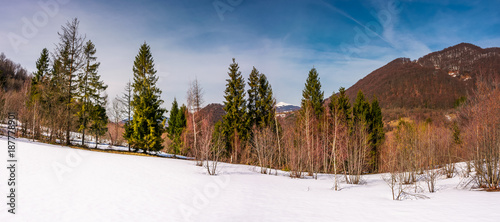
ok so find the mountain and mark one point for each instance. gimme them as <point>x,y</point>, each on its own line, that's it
<point>433,81</point>
<point>213,112</point>
<point>282,107</point>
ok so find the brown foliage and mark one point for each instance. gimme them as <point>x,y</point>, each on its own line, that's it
<point>426,83</point>
<point>482,140</point>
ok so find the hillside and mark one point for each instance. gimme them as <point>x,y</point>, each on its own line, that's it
<point>58,183</point>
<point>434,81</point>
<point>213,112</point>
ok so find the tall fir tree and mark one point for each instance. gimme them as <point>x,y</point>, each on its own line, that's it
<point>37,88</point>
<point>266,103</point>
<point>176,125</point>
<point>234,121</point>
<point>90,88</point>
<point>42,67</point>
<point>147,123</point>
<point>312,94</point>
<point>99,121</point>
<point>69,52</point>
<point>253,98</point>
<point>361,109</point>
<point>377,134</point>
<point>344,105</point>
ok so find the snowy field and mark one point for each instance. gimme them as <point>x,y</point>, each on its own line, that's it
<point>57,183</point>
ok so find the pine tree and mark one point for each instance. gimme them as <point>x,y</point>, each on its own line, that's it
<point>90,88</point>
<point>176,125</point>
<point>234,121</point>
<point>266,103</point>
<point>42,66</point>
<point>253,98</point>
<point>37,85</point>
<point>377,134</point>
<point>99,121</point>
<point>361,109</point>
<point>147,123</point>
<point>344,105</point>
<point>312,94</point>
<point>53,99</point>
<point>69,52</point>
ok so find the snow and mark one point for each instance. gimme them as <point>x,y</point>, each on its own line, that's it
<point>280,104</point>
<point>97,186</point>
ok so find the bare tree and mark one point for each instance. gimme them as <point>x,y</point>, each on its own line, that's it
<point>483,134</point>
<point>126,103</point>
<point>264,144</point>
<point>195,102</point>
<point>211,147</point>
<point>116,114</point>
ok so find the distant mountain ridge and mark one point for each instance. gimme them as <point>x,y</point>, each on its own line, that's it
<point>282,107</point>
<point>434,81</point>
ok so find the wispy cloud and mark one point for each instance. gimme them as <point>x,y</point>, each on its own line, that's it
<point>283,39</point>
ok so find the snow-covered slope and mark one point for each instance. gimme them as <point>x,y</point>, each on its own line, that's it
<point>63,184</point>
<point>283,107</point>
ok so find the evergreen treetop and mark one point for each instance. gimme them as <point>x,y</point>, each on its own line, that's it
<point>234,121</point>
<point>147,124</point>
<point>361,109</point>
<point>266,103</point>
<point>253,98</point>
<point>312,94</point>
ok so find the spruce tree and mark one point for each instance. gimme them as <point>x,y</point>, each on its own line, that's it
<point>234,121</point>
<point>312,94</point>
<point>344,105</point>
<point>176,125</point>
<point>37,85</point>
<point>99,121</point>
<point>69,52</point>
<point>42,67</point>
<point>361,109</point>
<point>266,103</point>
<point>90,88</point>
<point>147,123</point>
<point>377,134</point>
<point>253,98</point>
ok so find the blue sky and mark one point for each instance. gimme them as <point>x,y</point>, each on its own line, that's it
<point>344,40</point>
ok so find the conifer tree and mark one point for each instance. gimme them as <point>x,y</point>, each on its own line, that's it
<point>377,134</point>
<point>37,85</point>
<point>147,122</point>
<point>176,125</point>
<point>52,101</point>
<point>99,121</point>
<point>344,105</point>
<point>312,94</point>
<point>253,98</point>
<point>361,109</point>
<point>266,103</point>
<point>90,88</point>
<point>234,121</point>
<point>69,52</point>
<point>42,66</point>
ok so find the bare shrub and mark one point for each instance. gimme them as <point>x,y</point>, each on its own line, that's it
<point>483,134</point>
<point>264,146</point>
<point>211,147</point>
<point>357,152</point>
